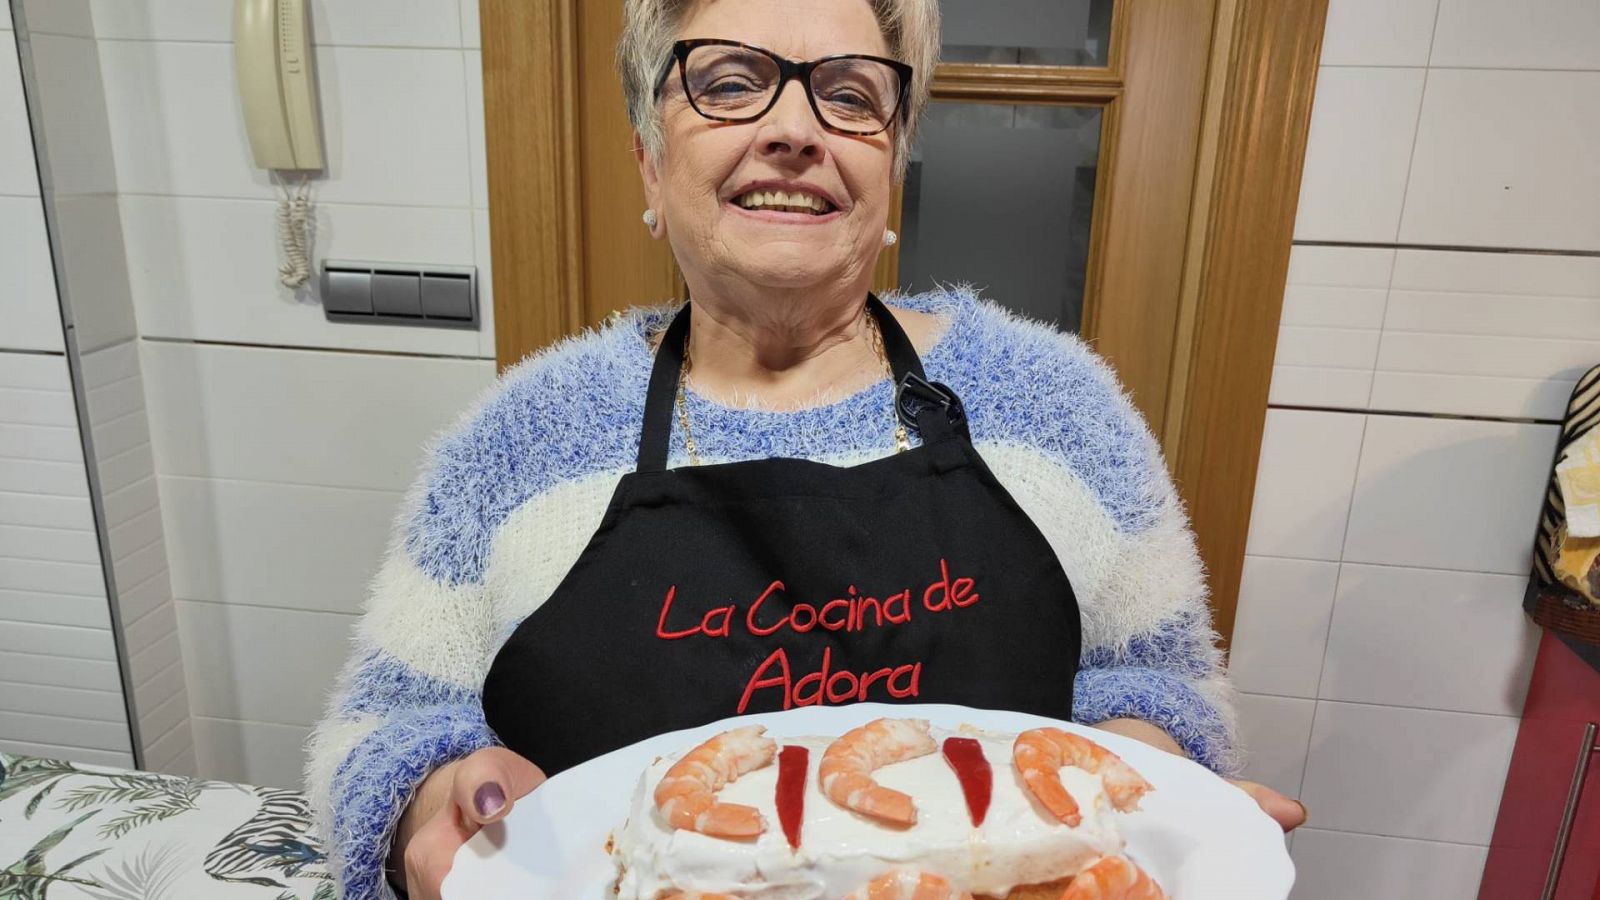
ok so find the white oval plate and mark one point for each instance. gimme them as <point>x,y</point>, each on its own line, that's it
<point>1197,835</point>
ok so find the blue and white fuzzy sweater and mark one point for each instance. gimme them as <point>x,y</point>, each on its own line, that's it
<point>511,496</point>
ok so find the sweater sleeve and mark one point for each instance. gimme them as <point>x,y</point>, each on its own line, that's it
<point>409,699</point>
<point>1150,651</point>
<point>1069,443</point>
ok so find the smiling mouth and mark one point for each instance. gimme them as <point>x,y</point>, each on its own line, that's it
<point>784,201</point>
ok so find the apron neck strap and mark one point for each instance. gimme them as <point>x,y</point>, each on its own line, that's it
<point>656,434</point>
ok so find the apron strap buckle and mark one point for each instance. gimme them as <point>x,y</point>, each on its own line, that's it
<point>915,396</point>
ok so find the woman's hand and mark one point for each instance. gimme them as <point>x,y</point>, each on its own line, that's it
<point>1288,812</point>
<point>450,806</point>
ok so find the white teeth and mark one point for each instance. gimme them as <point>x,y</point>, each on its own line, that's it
<point>783,200</point>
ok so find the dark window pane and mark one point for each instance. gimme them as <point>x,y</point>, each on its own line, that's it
<point>1030,32</point>
<point>1002,197</point>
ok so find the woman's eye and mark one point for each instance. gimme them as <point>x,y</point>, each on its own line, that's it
<point>849,98</point>
<point>732,87</point>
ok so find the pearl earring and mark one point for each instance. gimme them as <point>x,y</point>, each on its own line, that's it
<point>889,237</point>
<point>650,219</point>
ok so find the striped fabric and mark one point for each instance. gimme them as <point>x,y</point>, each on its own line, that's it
<point>1550,603</point>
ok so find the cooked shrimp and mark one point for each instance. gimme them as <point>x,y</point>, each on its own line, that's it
<point>909,886</point>
<point>845,773</point>
<point>1039,755</point>
<point>696,895</point>
<point>686,795</point>
<point>1113,878</point>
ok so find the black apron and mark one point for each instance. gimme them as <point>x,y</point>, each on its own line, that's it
<point>756,586</point>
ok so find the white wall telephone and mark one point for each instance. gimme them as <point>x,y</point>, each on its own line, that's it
<point>274,65</point>
<point>272,56</point>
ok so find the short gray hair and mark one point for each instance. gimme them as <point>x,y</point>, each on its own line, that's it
<point>649,27</point>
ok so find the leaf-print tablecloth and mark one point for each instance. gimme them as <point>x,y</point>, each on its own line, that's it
<point>71,831</point>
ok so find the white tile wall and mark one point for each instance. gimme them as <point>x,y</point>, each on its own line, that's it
<point>1362,128</point>
<point>1457,333</point>
<point>469,23</point>
<point>230,539</point>
<point>1378,651</point>
<point>1303,484</point>
<point>1278,732</point>
<point>1449,494</point>
<point>1382,642</point>
<point>252,752</point>
<point>1506,159</point>
<point>79,754</point>
<point>1378,32</point>
<point>408,23</point>
<point>114,390</point>
<point>1281,627</point>
<point>59,17</point>
<point>1334,865</point>
<point>278,449</point>
<point>184,253</point>
<point>97,275</point>
<point>480,247</point>
<point>58,680</point>
<point>1547,34</point>
<point>27,285</point>
<point>1399,772</point>
<point>21,666</point>
<point>243,413</point>
<point>72,114</point>
<point>261,664</point>
<point>168,20</point>
<point>17,172</point>
<point>253,473</point>
<point>382,112</point>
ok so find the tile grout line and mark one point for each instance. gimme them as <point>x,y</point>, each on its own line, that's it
<point>299,348</point>
<point>1443,248</point>
<point>1412,414</point>
<point>1398,837</point>
<point>241,603</point>
<point>1380,565</point>
<point>1416,134</point>
<point>1388,292</point>
<point>1334,606</point>
<point>1374,705</point>
<point>243,198</point>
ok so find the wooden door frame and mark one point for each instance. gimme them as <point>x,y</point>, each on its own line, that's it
<point>1216,305</point>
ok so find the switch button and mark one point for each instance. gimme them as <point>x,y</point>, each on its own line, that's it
<point>347,292</point>
<point>395,294</point>
<point>447,297</point>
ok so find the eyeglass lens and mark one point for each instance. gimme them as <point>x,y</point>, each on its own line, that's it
<point>737,83</point>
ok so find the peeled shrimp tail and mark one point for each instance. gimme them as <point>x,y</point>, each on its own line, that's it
<point>686,795</point>
<point>1113,878</point>
<point>845,773</point>
<point>1039,755</point>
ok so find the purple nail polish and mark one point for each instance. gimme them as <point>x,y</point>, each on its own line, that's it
<point>490,799</point>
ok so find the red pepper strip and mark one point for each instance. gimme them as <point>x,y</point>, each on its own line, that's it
<point>792,791</point>
<point>965,756</point>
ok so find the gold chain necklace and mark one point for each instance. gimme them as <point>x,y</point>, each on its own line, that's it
<point>902,441</point>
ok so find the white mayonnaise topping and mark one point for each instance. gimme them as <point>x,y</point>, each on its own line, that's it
<point>1019,842</point>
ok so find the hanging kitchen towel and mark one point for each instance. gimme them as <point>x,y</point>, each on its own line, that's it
<point>1565,579</point>
<point>1578,476</point>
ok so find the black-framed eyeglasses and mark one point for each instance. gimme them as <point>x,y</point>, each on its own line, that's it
<point>733,82</point>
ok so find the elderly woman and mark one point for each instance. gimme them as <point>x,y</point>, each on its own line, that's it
<point>782,493</point>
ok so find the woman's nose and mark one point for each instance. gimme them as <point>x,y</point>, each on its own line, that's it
<point>791,128</point>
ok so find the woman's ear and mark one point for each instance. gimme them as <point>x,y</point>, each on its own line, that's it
<point>650,175</point>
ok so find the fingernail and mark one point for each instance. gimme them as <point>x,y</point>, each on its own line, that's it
<point>490,799</point>
<point>1305,814</point>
